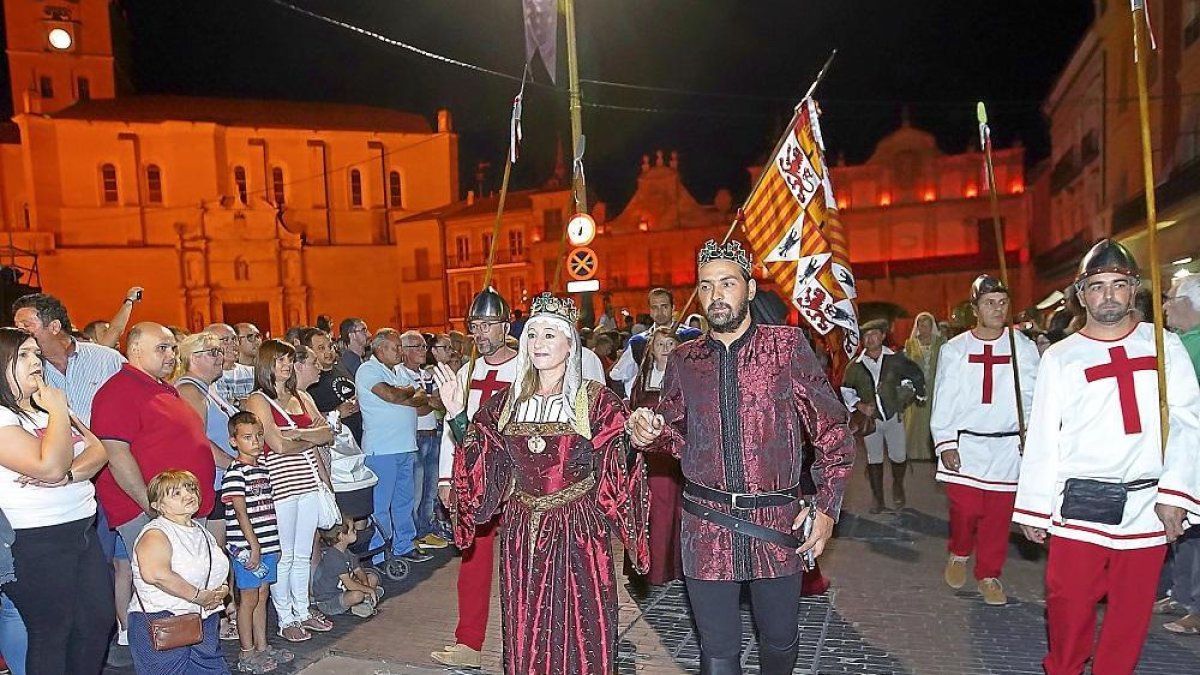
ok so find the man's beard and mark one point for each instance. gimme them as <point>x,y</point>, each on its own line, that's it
<point>1109,313</point>
<point>487,348</point>
<point>736,317</point>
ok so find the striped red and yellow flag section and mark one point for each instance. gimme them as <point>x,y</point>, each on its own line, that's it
<point>791,223</point>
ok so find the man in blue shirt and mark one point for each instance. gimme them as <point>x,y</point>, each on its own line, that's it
<point>390,405</point>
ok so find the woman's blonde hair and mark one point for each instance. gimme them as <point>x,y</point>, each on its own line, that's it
<point>188,348</point>
<point>167,482</point>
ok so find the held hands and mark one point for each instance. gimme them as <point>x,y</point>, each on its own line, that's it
<point>644,427</point>
<point>951,460</point>
<point>450,390</point>
<point>822,531</point>
<point>212,598</point>
<point>1172,520</point>
<point>1035,534</point>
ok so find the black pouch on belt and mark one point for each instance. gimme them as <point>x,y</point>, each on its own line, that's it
<point>1096,501</point>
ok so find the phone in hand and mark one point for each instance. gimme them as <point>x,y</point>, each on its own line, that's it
<point>137,296</point>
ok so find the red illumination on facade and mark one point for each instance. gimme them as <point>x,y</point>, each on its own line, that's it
<point>971,192</point>
<point>1017,187</point>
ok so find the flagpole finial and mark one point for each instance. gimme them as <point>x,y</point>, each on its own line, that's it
<point>981,112</point>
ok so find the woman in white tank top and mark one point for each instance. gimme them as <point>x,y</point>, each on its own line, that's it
<point>178,568</point>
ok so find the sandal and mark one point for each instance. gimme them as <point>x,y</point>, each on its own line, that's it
<point>294,632</point>
<point>256,663</point>
<point>317,623</point>
<point>1188,625</point>
<point>279,655</point>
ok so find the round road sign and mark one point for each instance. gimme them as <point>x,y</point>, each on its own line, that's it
<point>581,263</point>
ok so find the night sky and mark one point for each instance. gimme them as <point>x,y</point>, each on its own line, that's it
<point>937,56</point>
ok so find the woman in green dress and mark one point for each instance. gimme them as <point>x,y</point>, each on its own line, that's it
<point>922,347</point>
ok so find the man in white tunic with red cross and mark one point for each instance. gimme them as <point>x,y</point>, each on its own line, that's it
<point>976,435</point>
<point>1094,477</point>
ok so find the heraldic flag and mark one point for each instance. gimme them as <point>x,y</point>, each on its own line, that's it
<point>791,223</point>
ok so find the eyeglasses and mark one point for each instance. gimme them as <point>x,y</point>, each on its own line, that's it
<point>443,347</point>
<point>228,339</point>
<point>215,352</point>
<point>482,326</point>
<point>412,346</point>
<point>253,337</point>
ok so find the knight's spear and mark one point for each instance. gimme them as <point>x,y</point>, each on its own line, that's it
<point>985,142</point>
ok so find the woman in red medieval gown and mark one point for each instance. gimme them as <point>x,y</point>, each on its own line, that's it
<point>552,452</point>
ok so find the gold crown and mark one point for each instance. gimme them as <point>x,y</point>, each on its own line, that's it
<point>732,252</point>
<point>547,303</point>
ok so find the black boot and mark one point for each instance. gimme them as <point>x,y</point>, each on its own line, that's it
<point>729,665</point>
<point>774,661</point>
<point>875,476</point>
<point>898,471</point>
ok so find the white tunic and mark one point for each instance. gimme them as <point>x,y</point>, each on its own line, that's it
<point>486,380</point>
<point>973,401</point>
<point>1095,415</point>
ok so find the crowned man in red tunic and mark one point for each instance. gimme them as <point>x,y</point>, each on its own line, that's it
<point>738,408</point>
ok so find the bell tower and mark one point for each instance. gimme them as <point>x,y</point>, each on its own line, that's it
<point>59,52</point>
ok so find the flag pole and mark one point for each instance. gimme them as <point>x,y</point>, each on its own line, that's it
<point>578,185</point>
<point>985,142</point>
<point>1140,35</point>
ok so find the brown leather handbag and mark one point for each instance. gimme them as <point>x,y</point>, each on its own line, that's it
<point>178,630</point>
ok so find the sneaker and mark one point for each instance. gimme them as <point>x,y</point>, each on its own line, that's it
<point>458,656</point>
<point>123,637</point>
<point>956,571</point>
<point>415,556</point>
<point>363,610</point>
<point>432,541</point>
<point>992,591</point>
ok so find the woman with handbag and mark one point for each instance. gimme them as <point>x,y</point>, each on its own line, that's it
<point>62,587</point>
<point>179,585</point>
<point>294,430</point>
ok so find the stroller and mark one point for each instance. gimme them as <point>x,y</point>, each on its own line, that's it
<point>354,488</point>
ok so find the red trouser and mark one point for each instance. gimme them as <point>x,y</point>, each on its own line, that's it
<point>1078,576</point>
<point>979,523</point>
<point>475,586</point>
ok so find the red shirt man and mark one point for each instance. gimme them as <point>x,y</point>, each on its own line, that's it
<point>146,428</point>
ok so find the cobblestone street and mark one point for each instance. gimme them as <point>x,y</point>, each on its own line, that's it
<point>888,612</point>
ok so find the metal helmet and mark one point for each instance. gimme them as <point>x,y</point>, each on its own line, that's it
<point>984,284</point>
<point>1107,256</point>
<point>488,305</point>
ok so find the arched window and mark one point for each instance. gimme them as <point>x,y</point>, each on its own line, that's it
<point>277,185</point>
<point>154,192</point>
<point>356,195</point>
<point>239,180</point>
<point>394,195</point>
<point>108,181</point>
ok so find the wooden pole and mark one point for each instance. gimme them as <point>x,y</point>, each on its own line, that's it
<point>578,187</point>
<point>1140,36</point>
<point>985,141</point>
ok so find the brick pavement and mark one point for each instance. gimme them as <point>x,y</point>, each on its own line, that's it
<point>889,612</point>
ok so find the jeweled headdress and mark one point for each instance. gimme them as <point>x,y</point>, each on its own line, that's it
<point>548,304</point>
<point>732,252</point>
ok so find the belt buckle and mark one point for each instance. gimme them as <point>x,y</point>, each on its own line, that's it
<point>733,500</point>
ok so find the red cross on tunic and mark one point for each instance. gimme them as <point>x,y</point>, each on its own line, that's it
<point>1122,368</point>
<point>488,386</point>
<point>988,359</point>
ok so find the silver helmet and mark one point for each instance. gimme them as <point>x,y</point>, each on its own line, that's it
<point>489,305</point>
<point>1107,256</point>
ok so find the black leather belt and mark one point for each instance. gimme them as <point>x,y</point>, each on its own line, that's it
<point>743,500</point>
<point>988,434</point>
<point>741,525</point>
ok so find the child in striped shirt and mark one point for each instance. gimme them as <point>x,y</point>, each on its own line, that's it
<point>250,528</point>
